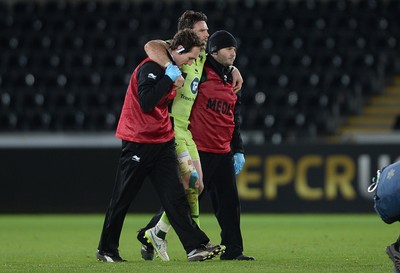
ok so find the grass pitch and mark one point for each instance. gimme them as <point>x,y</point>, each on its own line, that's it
<point>281,243</point>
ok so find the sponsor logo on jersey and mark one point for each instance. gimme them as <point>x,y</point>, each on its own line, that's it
<point>186,98</point>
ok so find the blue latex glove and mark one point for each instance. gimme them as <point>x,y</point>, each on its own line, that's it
<point>238,162</point>
<point>173,72</point>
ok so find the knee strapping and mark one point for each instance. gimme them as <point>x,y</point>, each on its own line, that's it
<point>185,164</point>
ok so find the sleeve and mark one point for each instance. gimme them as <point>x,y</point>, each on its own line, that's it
<point>153,85</point>
<point>237,143</point>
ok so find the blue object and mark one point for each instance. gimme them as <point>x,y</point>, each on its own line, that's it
<point>238,162</point>
<point>387,194</point>
<point>173,72</point>
<point>194,176</point>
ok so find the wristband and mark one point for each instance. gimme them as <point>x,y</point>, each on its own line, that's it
<point>167,64</point>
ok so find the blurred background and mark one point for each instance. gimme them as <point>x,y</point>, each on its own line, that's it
<point>320,104</point>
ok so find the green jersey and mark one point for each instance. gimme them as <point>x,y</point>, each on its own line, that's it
<point>185,96</point>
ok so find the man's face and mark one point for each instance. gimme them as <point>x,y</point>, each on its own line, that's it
<point>187,57</point>
<point>201,29</point>
<point>225,56</point>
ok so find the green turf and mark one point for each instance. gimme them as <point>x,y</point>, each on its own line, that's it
<point>281,243</point>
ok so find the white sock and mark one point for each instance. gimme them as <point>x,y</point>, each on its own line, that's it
<point>164,227</point>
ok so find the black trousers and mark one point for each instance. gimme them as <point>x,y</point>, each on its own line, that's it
<point>220,182</point>
<point>159,163</point>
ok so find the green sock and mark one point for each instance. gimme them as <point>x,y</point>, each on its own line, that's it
<point>193,199</point>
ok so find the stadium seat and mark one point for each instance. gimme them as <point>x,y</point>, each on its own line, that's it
<point>297,58</point>
<point>8,121</point>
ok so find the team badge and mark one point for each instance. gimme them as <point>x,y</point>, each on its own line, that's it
<point>194,85</point>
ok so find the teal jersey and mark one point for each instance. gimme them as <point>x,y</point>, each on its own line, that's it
<point>186,95</point>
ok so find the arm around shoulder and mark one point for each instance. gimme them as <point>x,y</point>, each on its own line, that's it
<point>237,79</point>
<point>157,51</point>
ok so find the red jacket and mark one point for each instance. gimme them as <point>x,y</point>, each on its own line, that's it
<point>212,117</point>
<point>144,117</point>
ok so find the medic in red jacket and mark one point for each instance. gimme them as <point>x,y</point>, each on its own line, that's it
<point>214,121</point>
<point>144,116</point>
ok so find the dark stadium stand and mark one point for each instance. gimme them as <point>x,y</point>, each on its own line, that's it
<point>65,65</point>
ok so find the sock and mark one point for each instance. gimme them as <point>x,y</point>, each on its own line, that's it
<point>193,199</point>
<point>163,226</point>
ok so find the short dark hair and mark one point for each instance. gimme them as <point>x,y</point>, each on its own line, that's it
<point>189,18</point>
<point>187,38</point>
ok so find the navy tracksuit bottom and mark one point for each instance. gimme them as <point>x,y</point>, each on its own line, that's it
<point>159,163</point>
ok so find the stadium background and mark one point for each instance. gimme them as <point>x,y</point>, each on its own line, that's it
<point>320,100</point>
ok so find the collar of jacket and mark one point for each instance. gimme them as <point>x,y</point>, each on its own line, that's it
<point>223,71</point>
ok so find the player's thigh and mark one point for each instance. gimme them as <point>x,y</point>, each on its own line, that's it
<point>187,153</point>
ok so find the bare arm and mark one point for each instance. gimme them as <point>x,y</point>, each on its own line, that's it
<point>156,50</point>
